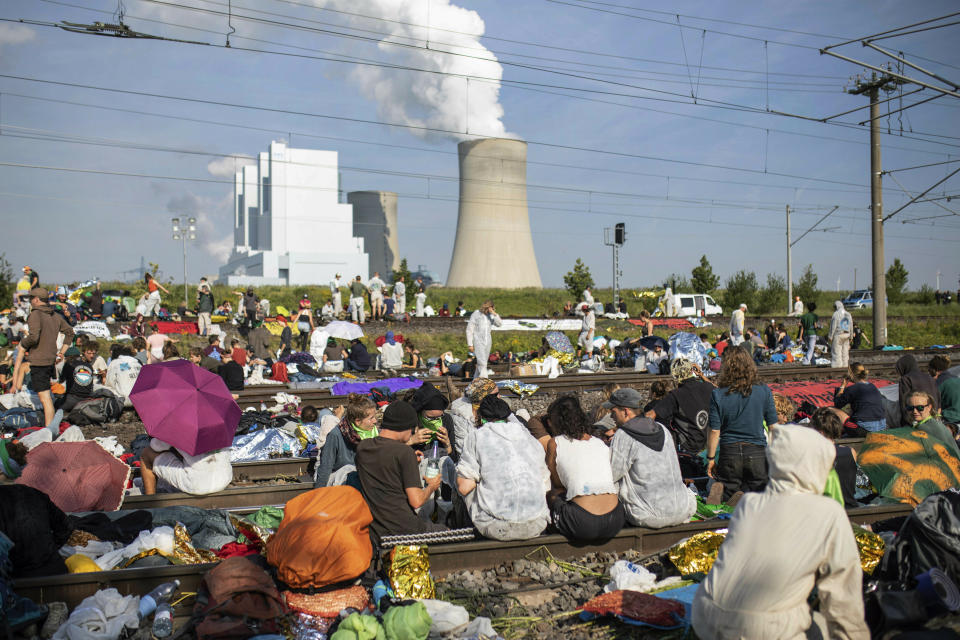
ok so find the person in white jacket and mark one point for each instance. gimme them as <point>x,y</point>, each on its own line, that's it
<point>736,325</point>
<point>841,328</point>
<point>503,476</point>
<point>479,339</point>
<point>780,545</point>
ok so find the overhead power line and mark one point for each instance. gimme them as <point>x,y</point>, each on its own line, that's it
<point>607,152</point>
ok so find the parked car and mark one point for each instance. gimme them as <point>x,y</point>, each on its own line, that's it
<point>695,304</point>
<point>860,299</point>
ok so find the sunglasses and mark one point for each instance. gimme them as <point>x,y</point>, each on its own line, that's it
<point>918,407</point>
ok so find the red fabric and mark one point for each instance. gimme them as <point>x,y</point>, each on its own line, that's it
<point>382,339</point>
<point>169,326</point>
<point>820,393</point>
<point>237,550</point>
<point>279,372</point>
<point>239,356</point>
<point>670,323</point>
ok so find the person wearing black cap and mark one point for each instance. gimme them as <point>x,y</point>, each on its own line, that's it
<point>390,475</point>
<point>502,475</point>
<point>645,466</point>
<point>433,423</point>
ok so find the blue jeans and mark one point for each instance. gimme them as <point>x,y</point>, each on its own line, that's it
<point>811,343</point>
<point>873,425</point>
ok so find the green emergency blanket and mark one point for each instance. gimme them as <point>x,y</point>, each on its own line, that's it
<point>908,464</point>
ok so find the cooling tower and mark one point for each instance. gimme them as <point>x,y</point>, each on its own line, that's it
<point>493,246</point>
<point>375,220</point>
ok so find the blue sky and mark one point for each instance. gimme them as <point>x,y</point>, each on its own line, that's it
<point>686,179</point>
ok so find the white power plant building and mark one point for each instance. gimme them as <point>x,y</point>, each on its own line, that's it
<point>493,247</point>
<point>288,226</point>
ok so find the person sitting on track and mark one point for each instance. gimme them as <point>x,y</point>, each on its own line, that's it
<point>336,464</point>
<point>867,410</point>
<point>920,405</point>
<point>463,410</point>
<point>583,502</point>
<point>198,475</point>
<point>780,545</point>
<point>503,477</point>
<point>644,463</point>
<point>390,478</point>
<point>829,423</point>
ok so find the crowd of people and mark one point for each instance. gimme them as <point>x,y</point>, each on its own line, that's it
<point>424,463</point>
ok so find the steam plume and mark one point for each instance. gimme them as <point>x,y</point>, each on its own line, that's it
<point>427,99</point>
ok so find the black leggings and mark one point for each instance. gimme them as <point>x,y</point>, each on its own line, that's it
<point>578,524</point>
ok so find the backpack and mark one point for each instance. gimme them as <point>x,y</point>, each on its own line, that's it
<point>236,600</point>
<point>323,539</point>
<point>18,418</point>
<point>96,411</point>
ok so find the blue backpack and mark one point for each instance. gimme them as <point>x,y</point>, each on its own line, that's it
<point>19,418</point>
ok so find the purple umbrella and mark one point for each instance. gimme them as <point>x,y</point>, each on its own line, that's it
<point>185,406</point>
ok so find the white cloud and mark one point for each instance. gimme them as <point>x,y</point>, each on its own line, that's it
<point>214,221</point>
<point>227,166</point>
<point>15,34</point>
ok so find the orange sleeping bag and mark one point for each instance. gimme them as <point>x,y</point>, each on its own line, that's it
<point>323,538</point>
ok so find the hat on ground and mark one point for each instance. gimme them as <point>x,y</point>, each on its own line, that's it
<point>626,397</point>
<point>399,416</point>
<point>39,292</point>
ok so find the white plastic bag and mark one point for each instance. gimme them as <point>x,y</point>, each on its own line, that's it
<point>447,618</point>
<point>631,577</point>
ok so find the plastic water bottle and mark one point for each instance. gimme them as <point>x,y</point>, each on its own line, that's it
<point>163,620</point>
<point>149,602</point>
<point>433,462</point>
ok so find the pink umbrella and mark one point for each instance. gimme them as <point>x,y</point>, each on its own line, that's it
<point>78,476</point>
<point>185,406</point>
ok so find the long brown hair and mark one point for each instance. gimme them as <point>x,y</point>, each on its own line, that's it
<point>738,372</point>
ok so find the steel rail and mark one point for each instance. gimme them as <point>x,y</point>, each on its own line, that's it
<point>444,558</point>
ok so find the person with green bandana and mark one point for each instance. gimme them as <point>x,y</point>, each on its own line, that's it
<point>435,425</point>
<point>336,464</point>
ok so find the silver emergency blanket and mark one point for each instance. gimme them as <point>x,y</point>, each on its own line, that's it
<point>265,444</point>
<point>687,346</point>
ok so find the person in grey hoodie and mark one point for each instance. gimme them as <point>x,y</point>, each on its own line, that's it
<point>841,328</point>
<point>645,466</point>
<point>40,344</point>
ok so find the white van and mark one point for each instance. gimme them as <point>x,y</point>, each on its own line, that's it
<point>695,305</point>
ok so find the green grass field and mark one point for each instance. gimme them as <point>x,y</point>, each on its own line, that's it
<point>510,302</point>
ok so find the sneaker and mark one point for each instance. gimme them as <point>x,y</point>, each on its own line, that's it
<point>716,493</point>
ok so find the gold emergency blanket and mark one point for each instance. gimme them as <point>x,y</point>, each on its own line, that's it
<point>409,572</point>
<point>255,533</point>
<point>697,553</point>
<point>183,551</point>
<point>870,546</point>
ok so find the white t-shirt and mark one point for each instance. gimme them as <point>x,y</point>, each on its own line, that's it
<point>584,467</point>
<point>197,475</point>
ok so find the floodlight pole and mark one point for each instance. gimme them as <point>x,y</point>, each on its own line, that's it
<point>789,266</point>
<point>183,233</point>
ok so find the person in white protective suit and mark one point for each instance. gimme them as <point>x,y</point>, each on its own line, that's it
<point>737,320</point>
<point>841,328</point>
<point>479,339</point>
<point>780,545</point>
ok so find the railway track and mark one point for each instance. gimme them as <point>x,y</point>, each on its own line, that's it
<point>444,558</point>
<point>252,397</point>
